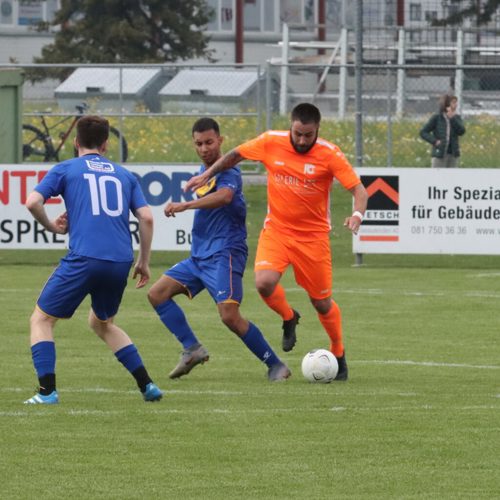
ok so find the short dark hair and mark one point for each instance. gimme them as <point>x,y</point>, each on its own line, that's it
<point>204,124</point>
<point>445,101</point>
<point>92,131</point>
<point>306,113</point>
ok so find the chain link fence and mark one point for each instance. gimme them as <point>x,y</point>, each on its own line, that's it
<point>154,106</point>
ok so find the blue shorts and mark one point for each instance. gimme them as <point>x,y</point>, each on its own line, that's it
<point>75,278</point>
<point>221,274</point>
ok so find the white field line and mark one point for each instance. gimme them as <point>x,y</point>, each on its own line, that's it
<point>484,275</point>
<point>101,390</point>
<point>425,363</point>
<point>46,412</point>
<point>408,293</point>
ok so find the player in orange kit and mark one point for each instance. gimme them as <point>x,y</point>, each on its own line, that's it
<point>301,168</point>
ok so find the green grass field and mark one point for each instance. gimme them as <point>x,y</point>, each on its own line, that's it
<point>419,417</point>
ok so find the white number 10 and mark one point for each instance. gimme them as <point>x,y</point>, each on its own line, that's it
<point>99,198</point>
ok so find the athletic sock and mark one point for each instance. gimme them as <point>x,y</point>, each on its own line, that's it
<point>44,360</point>
<point>47,384</point>
<point>172,316</point>
<point>130,358</point>
<point>256,342</point>
<point>332,323</point>
<point>278,303</point>
<point>142,378</point>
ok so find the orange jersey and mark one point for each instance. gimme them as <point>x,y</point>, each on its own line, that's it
<point>298,185</point>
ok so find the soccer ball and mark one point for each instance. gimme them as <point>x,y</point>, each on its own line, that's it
<point>320,366</point>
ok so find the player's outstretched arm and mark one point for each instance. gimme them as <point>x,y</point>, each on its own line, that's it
<point>223,163</point>
<point>35,204</point>
<point>360,202</point>
<point>141,267</point>
<point>219,198</point>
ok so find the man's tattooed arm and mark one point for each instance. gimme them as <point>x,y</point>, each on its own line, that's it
<point>225,162</point>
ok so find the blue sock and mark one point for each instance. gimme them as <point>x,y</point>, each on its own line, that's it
<point>174,319</point>
<point>44,357</point>
<point>256,342</point>
<point>129,357</point>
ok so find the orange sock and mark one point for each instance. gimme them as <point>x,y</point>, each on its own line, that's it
<point>278,303</point>
<point>332,323</point>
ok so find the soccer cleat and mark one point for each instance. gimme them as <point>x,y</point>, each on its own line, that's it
<point>189,359</point>
<point>152,393</point>
<point>289,335</point>
<point>40,399</point>
<point>278,372</point>
<point>342,373</point>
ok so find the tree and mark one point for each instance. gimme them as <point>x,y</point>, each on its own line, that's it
<point>480,11</point>
<point>127,31</point>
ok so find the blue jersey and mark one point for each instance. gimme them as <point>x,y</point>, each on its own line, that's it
<point>99,196</point>
<point>223,228</point>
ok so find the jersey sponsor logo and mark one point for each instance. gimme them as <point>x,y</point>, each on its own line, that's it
<point>206,188</point>
<point>382,215</point>
<point>100,166</point>
<point>309,168</point>
<point>279,163</point>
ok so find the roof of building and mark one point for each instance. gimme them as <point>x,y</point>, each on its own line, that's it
<point>219,83</point>
<point>107,80</point>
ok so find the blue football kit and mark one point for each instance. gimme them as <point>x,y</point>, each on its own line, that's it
<point>218,251</point>
<point>99,196</point>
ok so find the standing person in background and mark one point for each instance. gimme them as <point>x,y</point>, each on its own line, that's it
<point>301,169</point>
<point>442,131</point>
<point>99,195</point>
<point>217,262</point>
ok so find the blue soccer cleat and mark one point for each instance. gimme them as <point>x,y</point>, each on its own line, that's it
<point>40,399</point>
<point>152,393</point>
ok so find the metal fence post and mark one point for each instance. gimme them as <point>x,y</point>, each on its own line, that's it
<point>120,100</point>
<point>259,101</point>
<point>269,104</point>
<point>459,73</point>
<point>359,94</point>
<point>284,71</point>
<point>343,74</point>
<point>400,92</point>
<point>389,116</point>
<point>359,83</point>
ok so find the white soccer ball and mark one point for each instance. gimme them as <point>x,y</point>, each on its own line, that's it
<point>320,366</point>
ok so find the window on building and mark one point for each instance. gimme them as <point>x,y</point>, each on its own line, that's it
<point>415,36</point>
<point>415,12</point>
<point>27,12</point>
<point>30,12</point>
<point>6,12</point>
<point>431,15</point>
<point>252,15</point>
<point>258,15</point>
<point>226,15</point>
<point>291,11</point>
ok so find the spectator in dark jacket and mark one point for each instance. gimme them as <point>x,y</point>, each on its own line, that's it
<point>442,131</point>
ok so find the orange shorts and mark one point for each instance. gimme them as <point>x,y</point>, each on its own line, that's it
<point>311,260</point>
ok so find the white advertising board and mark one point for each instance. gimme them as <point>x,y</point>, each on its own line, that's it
<point>430,211</point>
<point>160,184</point>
